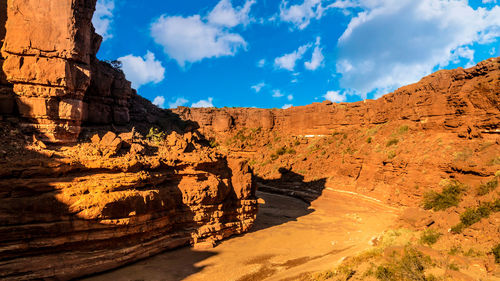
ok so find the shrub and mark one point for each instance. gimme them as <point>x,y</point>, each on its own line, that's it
<point>403,129</point>
<point>369,140</point>
<point>384,273</point>
<point>470,217</point>
<point>429,237</point>
<point>494,161</point>
<point>392,142</point>
<point>213,143</point>
<point>391,154</point>
<point>496,253</point>
<point>155,135</point>
<point>453,267</point>
<point>486,188</point>
<point>281,151</point>
<point>473,215</point>
<point>450,196</point>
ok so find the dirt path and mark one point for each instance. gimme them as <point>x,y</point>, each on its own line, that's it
<point>288,239</point>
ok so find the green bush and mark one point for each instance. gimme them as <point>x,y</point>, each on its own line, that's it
<point>403,129</point>
<point>496,253</point>
<point>369,140</point>
<point>450,196</point>
<point>429,237</point>
<point>488,187</point>
<point>281,151</point>
<point>384,273</point>
<point>213,143</point>
<point>391,154</point>
<point>392,142</point>
<point>494,161</point>
<point>473,215</point>
<point>155,135</point>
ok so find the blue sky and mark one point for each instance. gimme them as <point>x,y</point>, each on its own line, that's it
<point>277,53</point>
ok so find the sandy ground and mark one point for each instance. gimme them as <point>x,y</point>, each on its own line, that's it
<point>289,238</point>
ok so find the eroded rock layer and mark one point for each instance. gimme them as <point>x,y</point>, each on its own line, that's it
<point>446,125</point>
<point>81,189</point>
<point>73,211</point>
<point>459,99</point>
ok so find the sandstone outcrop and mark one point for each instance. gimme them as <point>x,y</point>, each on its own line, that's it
<point>49,58</point>
<point>446,125</point>
<point>79,210</point>
<point>82,188</point>
<point>459,99</point>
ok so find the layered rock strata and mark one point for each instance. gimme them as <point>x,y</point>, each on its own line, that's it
<point>73,202</point>
<point>98,205</point>
<point>458,99</point>
<point>49,56</point>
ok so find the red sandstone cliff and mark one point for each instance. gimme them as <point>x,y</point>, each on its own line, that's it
<point>72,207</point>
<point>456,99</point>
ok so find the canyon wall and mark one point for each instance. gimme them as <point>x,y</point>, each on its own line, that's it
<point>49,56</point>
<point>459,99</point>
<point>82,188</point>
<point>394,149</point>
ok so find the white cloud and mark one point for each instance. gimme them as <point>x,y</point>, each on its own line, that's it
<point>159,101</point>
<point>300,15</point>
<point>289,97</point>
<point>392,43</point>
<point>192,39</point>
<point>204,103</point>
<point>225,15</point>
<point>277,93</point>
<point>489,1</point>
<point>177,102</point>
<point>142,70</point>
<point>286,106</point>
<point>288,61</point>
<point>335,96</point>
<point>261,63</point>
<point>258,87</point>
<point>103,17</point>
<point>317,57</point>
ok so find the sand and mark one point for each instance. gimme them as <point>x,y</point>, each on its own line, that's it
<point>290,239</point>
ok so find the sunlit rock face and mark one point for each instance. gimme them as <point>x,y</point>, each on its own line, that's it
<point>49,58</point>
<point>82,189</point>
<point>455,99</point>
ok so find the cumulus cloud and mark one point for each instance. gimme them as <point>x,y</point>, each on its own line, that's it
<point>300,15</point>
<point>391,43</point>
<point>204,103</point>
<point>177,102</point>
<point>192,39</point>
<point>335,96</point>
<point>142,70</point>
<point>288,61</point>
<point>277,93</point>
<point>258,87</point>
<point>225,14</point>
<point>261,63</point>
<point>317,57</point>
<point>286,106</point>
<point>159,101</point>
<point>289,97</point>
<point>103,17</point>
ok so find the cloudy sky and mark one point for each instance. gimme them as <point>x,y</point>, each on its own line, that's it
<point>278,53</point>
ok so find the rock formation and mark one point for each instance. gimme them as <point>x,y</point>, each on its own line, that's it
<point>459,99</point>
<point>77,198</point>
<point>446,125</point>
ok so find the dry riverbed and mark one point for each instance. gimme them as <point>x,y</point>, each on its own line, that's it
<point>289,239</point>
